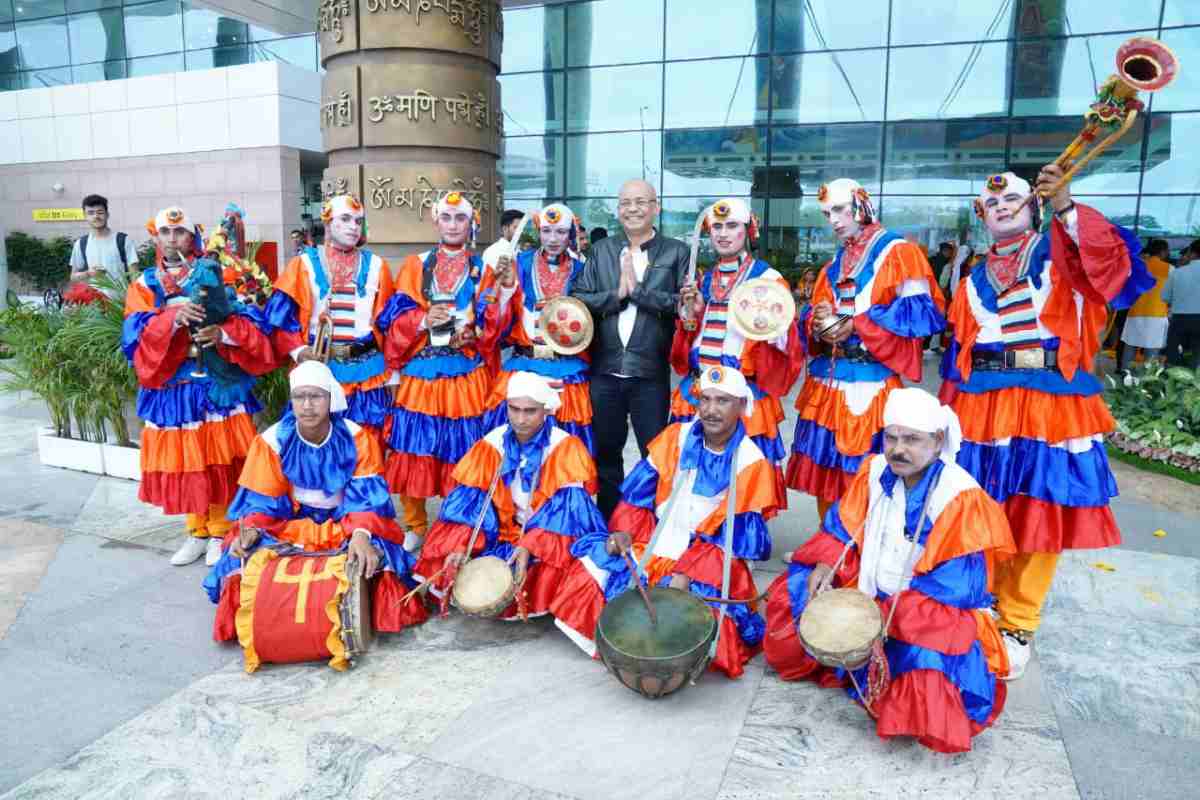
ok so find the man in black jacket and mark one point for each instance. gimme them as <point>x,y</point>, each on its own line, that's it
<point>631,285</point>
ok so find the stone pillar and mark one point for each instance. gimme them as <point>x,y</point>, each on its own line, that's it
<point>411,111</point>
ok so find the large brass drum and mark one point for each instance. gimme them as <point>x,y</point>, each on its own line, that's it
<point>656,659</point>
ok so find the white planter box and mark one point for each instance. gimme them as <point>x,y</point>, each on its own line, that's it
<point>70,453</point>
<point>122,462</point>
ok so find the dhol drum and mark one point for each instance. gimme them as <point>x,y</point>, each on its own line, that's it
<point>299,606</point>
<point>840,627</point>
<point>484,587</point>
<point>655,658</point>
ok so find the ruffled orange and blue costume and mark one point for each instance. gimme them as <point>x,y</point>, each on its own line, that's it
<point>770,367</point>
<point>521,333</point>
<point>678,455</point>
<point>304,292</point>
<point>943,650</point>
<point>314,497</point>
<point>1034,437</point>
<point>440,400</point>
<point>891,294</point>
<point>553,476</point>
<point>197,430</point>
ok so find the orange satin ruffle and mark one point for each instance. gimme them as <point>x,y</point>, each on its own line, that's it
<point>193,449</point>
<point>454,398</point>
<point>827,407</point>
<point>1031,414</point>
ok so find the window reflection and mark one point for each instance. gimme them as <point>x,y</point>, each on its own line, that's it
<point>203,28</point>
<point>153,28</point>
<point>217,57</point>
<point>728,91</point>
<point>816,154</point>
<point>943,157</point>
<point>1055,76</point>
<point>925,21</point>
<point>1037,142</point>
<point>45,78</point>
<point>729,28</point>
<point>721,161</point>
<point>43,43</point>
<point>614,32</point>
<point>531,27</point>
<point>679,215</point>
<point>532,102</point>
<point>97,36</point>
<point>948,81</point>
<point>1172,159</point>
<point>10,54</point>
<point>108,71</point>
<point>929,221</point>
<point>299,51</point>
<point>1181,12</point>
<point>592,94</point>
<point>799,235</point>
<point>155,65</point>
<point>1183,94</point>
<point>597,212</point>
<point>828,25</point>
<point>597,164</point>
<point>828,87</point>
<point>1073,17</point>
<point>532,167</point>
<point>36,9</point>
<point>89,5</point>
<point>1177,217</point>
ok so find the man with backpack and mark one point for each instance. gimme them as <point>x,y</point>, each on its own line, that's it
<point>101,248</point>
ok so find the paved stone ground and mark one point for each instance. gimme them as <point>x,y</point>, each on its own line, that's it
<point>113,688</point>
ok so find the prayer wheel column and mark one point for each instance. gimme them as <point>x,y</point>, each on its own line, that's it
<point>410,111</point>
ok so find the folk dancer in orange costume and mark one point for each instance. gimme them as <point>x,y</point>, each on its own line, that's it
<point>882,290</point>
<point>197,429</point>
<point>1019,375</point>
<point>314,480</point>
<point>541,506</point>
<point>770,367</point>
<point>345,284</point>
<point>543,274</point>
<point>445,313</point>
<point>695,459</point>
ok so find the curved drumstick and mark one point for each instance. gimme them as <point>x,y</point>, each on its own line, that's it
<point>633,571</point>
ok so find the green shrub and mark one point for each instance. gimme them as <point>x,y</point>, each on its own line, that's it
<point>1158,414</point>
<point>45,262</point>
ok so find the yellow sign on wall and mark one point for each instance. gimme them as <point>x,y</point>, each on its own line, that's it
<point>58,215</point>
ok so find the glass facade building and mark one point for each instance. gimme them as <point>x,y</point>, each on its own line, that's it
<point>919,100</point>
<point>57,42</point>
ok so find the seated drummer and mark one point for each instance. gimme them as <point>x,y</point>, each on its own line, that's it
<point>542,501</point>
<point>693,458</point>
<point>315,480</point>
<point>944,651</point>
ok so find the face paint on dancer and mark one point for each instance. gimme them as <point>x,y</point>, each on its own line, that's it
<point>345,219</point>
<point>1003,207</point>
<point>453,220</point>
<point>728,237</point>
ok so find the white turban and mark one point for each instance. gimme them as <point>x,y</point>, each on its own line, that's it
<point>730,209</point>
<point>1005,183</point>
<point>916,408</point>
<point>315,373</point>
<point>731,382</point>
<point>453,203</point>
<point>536,388</point>
<point>172,217</point>
<point>557,216</point>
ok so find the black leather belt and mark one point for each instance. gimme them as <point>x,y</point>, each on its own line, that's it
<point>352,351</point>
<point>854,352</point>
<point>437,351</point>
<point>1030,358</point>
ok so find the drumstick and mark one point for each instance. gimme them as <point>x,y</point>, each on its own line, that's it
<point>426,584</point>
<point>642,589</point>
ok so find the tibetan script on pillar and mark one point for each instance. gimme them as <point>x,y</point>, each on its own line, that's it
<point>472,16</point>
<point>338,111</point>
<point>383,193</point>
<point>462,109</point>
<point>330,14</point>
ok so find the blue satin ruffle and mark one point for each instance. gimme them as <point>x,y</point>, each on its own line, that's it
<point>712,469</point>
<point>968,673</point>
<point>327,467</point>
<point>568,369</point>
<point>282,312</point>
<point>833,271</point>
<point>372,407</point>
<point>463,505</point>
<point>131,331</point>
<point>751,539</point>
<point>184,403</point>
<point>960,582</point>
<point>1140,280</point>
<point>359,370</point>
<point>914,316</point>
<point>914,499</point>
<point>850,371</point>
<point>1033,468</point>
<point>819,445</point>
<point>570,512</point>
<point>446,439</point>
<point>641,485</point>
<point>397,305</point>
<point>431,369</point>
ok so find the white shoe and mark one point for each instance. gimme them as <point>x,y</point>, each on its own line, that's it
<point>213,554</point>
<point>1020,648</point>
<point>192,549</point>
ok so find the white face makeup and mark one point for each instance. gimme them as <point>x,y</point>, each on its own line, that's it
<point>554,240</point>
<point>841,220</point>
<point>453,227</point>
<point>1007,215</point>
<point>728,237</point>
<point>345,230</point>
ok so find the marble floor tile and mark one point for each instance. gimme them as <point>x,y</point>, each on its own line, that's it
<point>427,778</point>
<point>1147,587</point>
<point>46,495</point>
<point>113,511</point>
<point>802,741</point>
<point>1114,669</point>
<point>18,436</point>
<point>26,550</point>
<point>559,722</point>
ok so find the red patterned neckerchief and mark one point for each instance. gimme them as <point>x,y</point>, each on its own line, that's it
<point>854,249</point>
<point>726,276</point>
<point>449,270</point>
<point>342,266</point>
<point>1004,258</point>
<point>551,278</point>
<point>173,284</point>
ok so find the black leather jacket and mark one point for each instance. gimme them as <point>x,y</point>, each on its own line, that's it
<point>656,297</point>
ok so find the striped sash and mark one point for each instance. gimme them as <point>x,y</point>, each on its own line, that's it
<point>341,311</point>
<point>712,335</point>
<point>1018,317</point>
<point>846,290</point>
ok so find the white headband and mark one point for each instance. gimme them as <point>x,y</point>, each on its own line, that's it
<point>731,382</point>
<point>315,373</point>
<point>535,387</point>
<point>172,217</point>
<point>916,408</point>
<point>454,202</point>
<point>729,210</point>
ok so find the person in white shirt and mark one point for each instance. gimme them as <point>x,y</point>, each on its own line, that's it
<point>502,246</point>
<point>101,249</point>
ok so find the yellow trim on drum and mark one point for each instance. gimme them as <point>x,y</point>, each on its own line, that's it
<point>333,610</point>
<point>244,619</point>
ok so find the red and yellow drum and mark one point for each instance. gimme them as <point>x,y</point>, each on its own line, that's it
<point>302,607</point>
